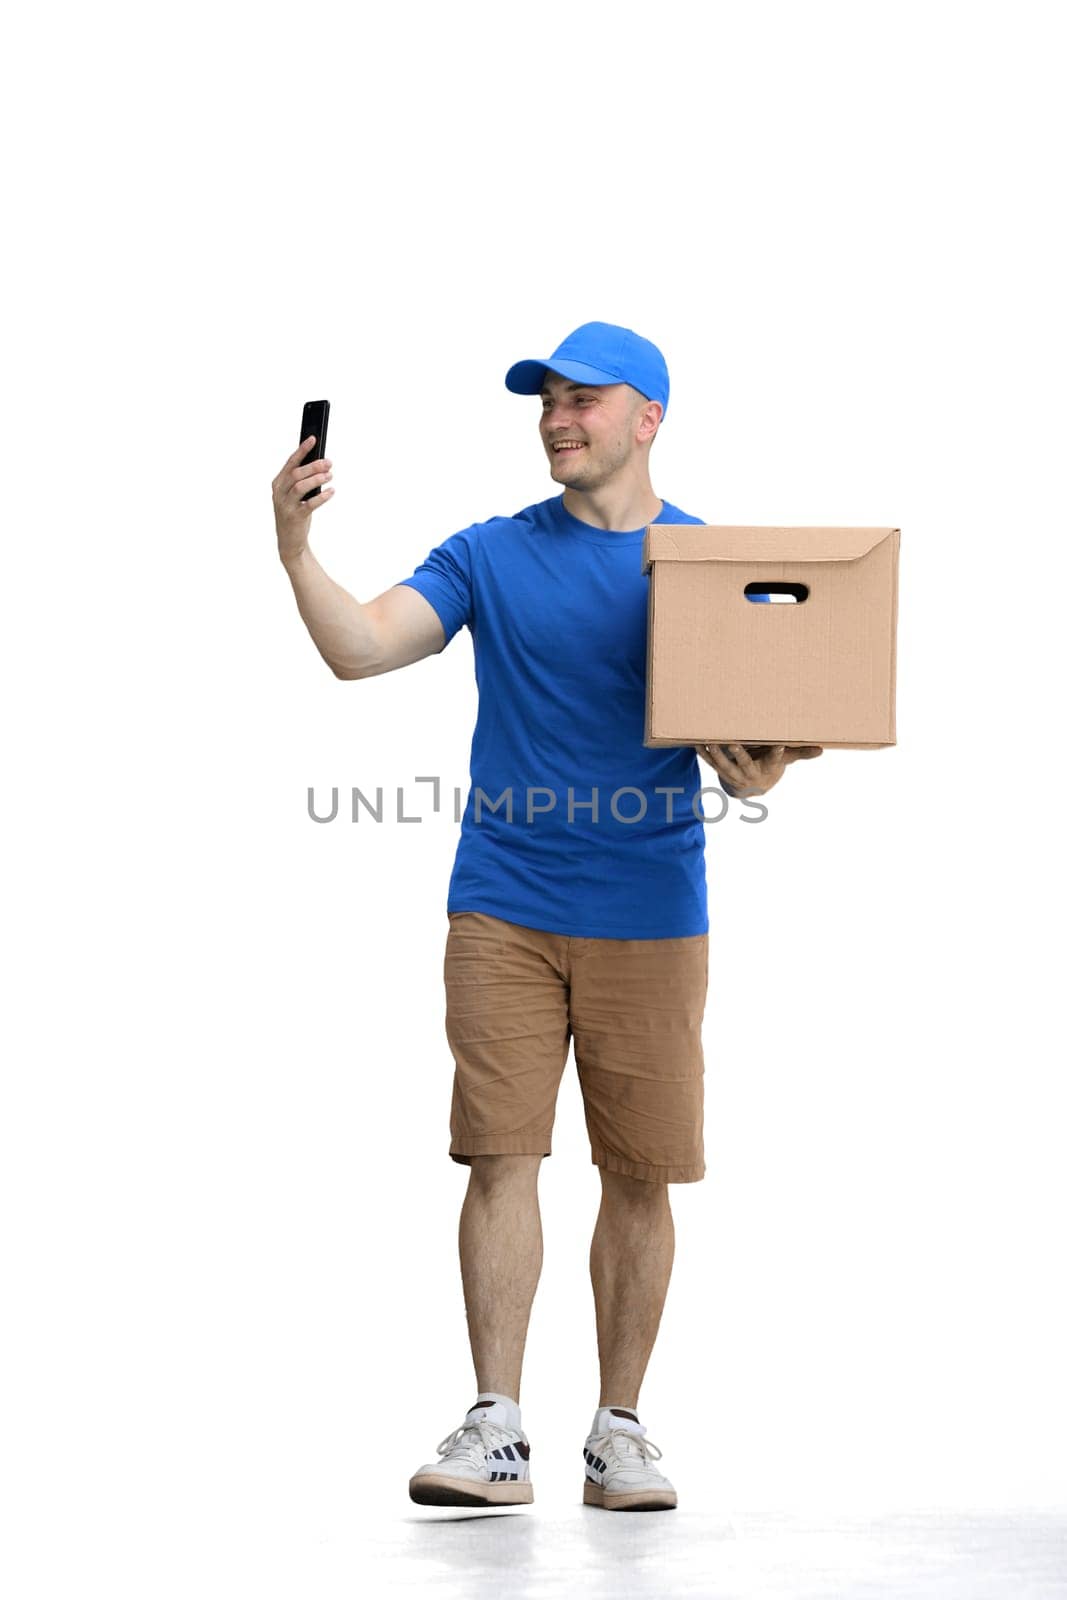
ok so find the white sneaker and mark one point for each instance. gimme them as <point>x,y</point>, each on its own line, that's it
<point>619,1475</point>
<point>484,1462</point>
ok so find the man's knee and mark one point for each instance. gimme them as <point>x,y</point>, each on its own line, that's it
<point>491,1170</point>
<point>621,1185</point>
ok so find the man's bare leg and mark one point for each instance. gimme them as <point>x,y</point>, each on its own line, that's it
<point>500,1252</point>
<point>630,1264</point>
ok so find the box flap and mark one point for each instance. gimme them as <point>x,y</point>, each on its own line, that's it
<point>666,541</point>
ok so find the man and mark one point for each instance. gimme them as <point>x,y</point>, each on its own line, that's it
<point>577,905</point>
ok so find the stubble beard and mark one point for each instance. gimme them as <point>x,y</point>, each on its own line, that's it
<point>591,474</point>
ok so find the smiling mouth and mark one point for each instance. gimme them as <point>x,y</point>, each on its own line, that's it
<point>567,444</point>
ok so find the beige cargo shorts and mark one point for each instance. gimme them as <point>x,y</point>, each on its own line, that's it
<point>515,996</point>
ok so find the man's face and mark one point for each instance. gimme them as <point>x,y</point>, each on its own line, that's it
<point>589,432</point>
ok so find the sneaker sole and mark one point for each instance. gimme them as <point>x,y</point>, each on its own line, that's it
<point>633,1500</point>
<point>436,1490</point>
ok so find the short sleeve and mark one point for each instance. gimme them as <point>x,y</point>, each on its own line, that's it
<point>445,579</point>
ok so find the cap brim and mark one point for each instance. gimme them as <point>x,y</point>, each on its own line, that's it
<point>527,377</point>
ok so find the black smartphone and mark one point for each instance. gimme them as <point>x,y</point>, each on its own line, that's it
<point>315,420</point>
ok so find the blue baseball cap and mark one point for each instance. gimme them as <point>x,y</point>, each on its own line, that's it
<point>598,353</point>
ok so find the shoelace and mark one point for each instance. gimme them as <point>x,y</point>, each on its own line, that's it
<point>488,1435</point>
<point>626,1443</point>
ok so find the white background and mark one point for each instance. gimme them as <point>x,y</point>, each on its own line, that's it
<point>234,1313</point>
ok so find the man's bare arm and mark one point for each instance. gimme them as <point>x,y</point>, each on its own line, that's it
<point>361,640</point>
<point>354,640</point>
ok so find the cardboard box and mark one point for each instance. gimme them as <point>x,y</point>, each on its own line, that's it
<point>816,669</point>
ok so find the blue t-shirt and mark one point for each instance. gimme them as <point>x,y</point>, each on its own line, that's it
<point>558,612</point>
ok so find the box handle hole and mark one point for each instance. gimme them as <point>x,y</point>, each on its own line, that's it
<point>788,592</point>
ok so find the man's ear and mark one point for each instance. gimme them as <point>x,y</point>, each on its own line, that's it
<point>651,415</point>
